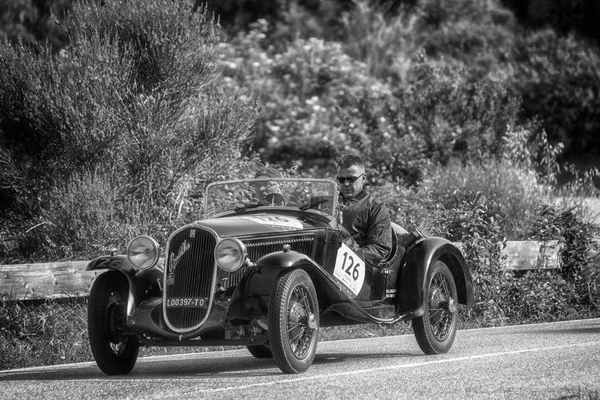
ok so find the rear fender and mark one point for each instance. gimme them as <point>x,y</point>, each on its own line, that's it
<point>142,284</point>
<point>419,259</point>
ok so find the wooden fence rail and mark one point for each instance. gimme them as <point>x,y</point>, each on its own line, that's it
<point>70,279</point>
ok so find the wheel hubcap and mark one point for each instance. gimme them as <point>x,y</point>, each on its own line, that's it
<point>301,322</point>
<point>442,307</point>
<point>115,323</point>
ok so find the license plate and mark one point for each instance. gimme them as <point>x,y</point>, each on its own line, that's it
<point>191,302</point>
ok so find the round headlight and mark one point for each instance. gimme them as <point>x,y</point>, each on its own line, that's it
<point>230,254</point>
<point>143,252</point>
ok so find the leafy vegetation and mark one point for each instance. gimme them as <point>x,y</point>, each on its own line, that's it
<point>460,113</point>
<point>105,139</point>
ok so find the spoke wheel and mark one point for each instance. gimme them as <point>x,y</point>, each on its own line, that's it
<point>114,352</point>
<point>294,322</point>
<point>436,328</point>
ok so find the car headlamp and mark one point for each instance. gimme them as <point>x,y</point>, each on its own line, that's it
<point>142,252</point>
<point>230,254</point>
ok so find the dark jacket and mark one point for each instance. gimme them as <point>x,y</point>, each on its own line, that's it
<point>369,223</point>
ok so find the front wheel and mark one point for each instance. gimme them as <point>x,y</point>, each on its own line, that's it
<point>435,330</point>
<point>293,321</point>
<point>115,352</point>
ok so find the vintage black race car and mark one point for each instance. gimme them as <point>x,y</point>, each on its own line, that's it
<point>265,268</point>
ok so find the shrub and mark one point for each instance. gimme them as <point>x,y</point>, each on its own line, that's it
<point>563,15</point>
<point>317,101</point>
<point>480,35</point>
<point>29,21</point>
<point>474,221</point>
<point>386,44</point>
<point>146,134</point>
<point>502,297</point>
<point>558,78</point>
<point>577,266</point>
<point>409,206</point>
<point>130,107</point>
<point>310,95</point>
<point>541,296</point>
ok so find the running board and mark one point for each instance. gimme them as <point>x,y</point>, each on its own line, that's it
<point>382,314</point>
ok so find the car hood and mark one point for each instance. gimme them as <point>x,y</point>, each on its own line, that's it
<point>259,223</point>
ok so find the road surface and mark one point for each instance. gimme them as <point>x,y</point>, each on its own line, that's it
<point>545,361</point>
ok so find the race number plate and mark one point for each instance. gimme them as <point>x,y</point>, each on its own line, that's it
<point>349,269</point>
<point>187,302</point>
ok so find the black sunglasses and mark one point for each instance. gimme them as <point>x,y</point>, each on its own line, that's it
<point>351,179</point>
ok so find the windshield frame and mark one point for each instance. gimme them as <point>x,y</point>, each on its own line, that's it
<point>251,181</point>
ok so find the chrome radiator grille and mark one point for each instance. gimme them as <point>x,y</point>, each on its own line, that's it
<point>190,271</point>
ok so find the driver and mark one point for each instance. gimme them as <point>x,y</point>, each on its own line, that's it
<point>365,218</point>
<point>269,190</point>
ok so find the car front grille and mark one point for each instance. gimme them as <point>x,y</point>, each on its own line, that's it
<point>190,273</point>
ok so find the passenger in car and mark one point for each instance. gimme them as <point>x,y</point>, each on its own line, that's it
<point>366,219</point>
<point>269,191</point>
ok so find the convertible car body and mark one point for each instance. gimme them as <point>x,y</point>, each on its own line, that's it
<point>266,272</point>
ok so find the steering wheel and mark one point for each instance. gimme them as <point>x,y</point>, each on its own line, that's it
<point>275,199</point>
<point>313,204</point>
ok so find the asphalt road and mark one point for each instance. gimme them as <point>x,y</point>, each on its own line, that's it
<point>545,361</point>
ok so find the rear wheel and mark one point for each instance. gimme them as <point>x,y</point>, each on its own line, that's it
<point>435,330</point>
<point>294,322</point>
<point>114,352</point>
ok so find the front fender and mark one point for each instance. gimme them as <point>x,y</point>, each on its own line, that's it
<point>117,263</point>
<point>142,284</point>
<point>269,267</point>
<point>418,261</point>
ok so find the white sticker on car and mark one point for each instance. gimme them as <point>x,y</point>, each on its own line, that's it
<point>349,269</point>
<point>276,221</point>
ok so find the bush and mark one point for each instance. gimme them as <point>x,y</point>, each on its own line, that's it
<point>386,44</point>
<point>29,21</point>
<point>318,101</point>
<point>310,95</point>
<point>131,107</point>
<point>502,297</point>
<point>558,78</point>
<point>442,115</point>
<point>576,235</point>
<point>479,35</point>
<point>474,221</point>
<point>541,296</point>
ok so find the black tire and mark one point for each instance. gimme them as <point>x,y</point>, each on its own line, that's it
<point>435,330</point>
<point>260,351</point>
<point>114,352</point>
<point>294,322</point>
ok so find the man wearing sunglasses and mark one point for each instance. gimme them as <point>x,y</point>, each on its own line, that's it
<point>367,220</point>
